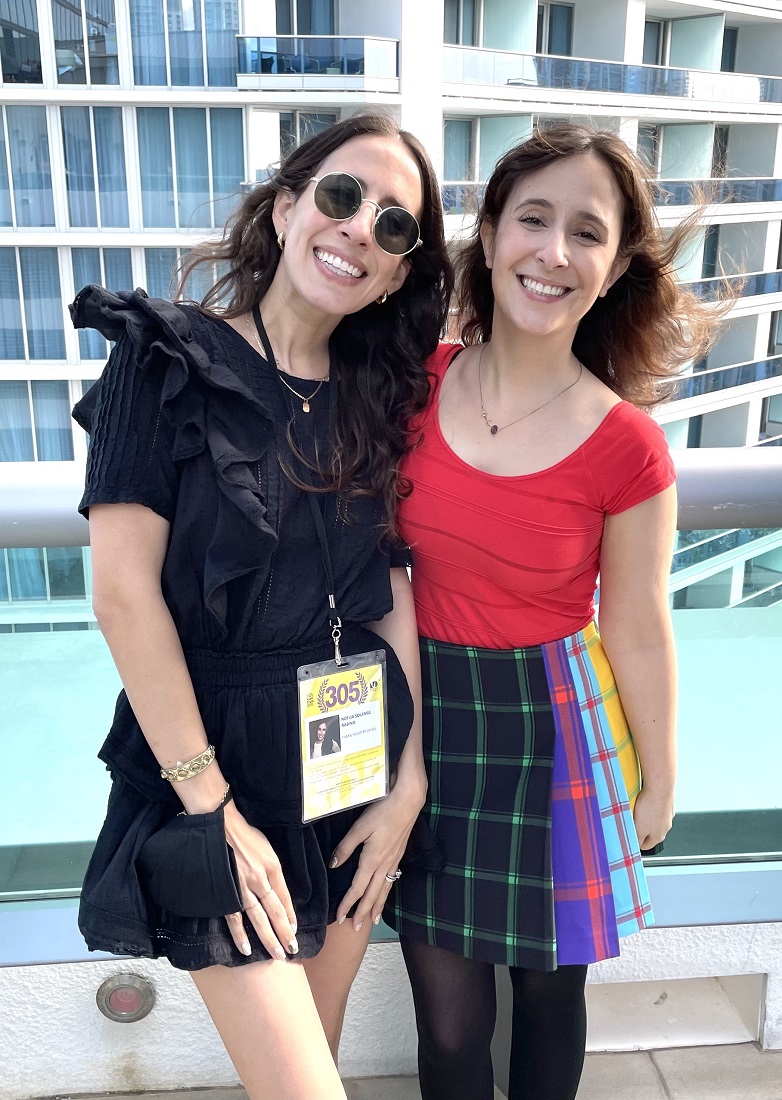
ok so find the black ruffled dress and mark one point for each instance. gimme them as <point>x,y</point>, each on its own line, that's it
<point>189,421</point>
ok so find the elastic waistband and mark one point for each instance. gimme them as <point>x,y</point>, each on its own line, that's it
<point>213,668</point>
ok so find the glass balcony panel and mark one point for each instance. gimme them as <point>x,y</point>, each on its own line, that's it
<point>721,378</point>
<point>330,56</point>
<point>686,192</point>
<point>747,286</point>
<point>477,66</point>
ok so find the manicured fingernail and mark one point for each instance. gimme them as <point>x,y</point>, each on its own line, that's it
<point>294,927</point>
<point>279,953</point>
<point>341,920</point>
<point>333,861</point>
<point>293,947</point>
<point>359,926</point>
<point>246,949</point>
<point>377,919</point>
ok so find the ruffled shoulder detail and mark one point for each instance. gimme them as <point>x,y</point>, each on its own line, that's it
<point>210,410</point>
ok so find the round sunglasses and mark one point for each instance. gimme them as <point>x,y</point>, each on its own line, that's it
<point>338,196</point>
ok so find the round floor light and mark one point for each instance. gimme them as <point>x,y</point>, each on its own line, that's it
<point>125,998</point>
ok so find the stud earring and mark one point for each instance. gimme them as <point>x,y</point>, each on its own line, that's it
<point>383,298</point>
<point>281,240</point>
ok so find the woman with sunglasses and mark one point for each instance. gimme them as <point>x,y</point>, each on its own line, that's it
<point>538,469</point>
<point>213,430</point>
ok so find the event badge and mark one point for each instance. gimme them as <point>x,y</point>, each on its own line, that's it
<point>343,725</point>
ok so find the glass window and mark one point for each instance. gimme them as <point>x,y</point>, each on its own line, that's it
<point>649,146</point>
<point>11,334</point>
<point>775,336</point>
<point>711,250</point>
<point>52,417</point>
<point>157,177</point>
<point>314,17</point>
<point>102,42</point>
<point>27,573</point>
<point>184,43</point>
<point>79,169</point>
<point>730,40</point>
<point>297,126</point>
<point>160,264</point>
<point>6,212</point>
<point>29,146</point>
<point>16,433</point>
<point>147,32</point>
<point>192,166</point>
<point>719,156</point>
<point>42,302</point>
<point>19,47</point>
<point>459,28</point>
<point>110,152</point>
<point>457,141</point>
<point>69,42</point>
<point>3,583</point>
<point>653,41</point>
<point>109,267</point>
<point>450,23</point>
<point>560,29</point>
<point>226,131</point>
<point>86,269</point>
<point>222,25</point>
<point>284,16</point>
<point>66,572</point>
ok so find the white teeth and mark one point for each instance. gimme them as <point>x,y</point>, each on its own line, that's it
<point>340,265</point>
<point>541,288</point>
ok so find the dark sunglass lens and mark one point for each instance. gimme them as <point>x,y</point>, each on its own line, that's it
<point>338,196</point>
<point>396,231</point>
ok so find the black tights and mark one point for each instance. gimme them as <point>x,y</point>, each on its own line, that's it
<point>456,1008</point>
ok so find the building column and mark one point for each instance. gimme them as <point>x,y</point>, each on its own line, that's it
<point>421,74</point>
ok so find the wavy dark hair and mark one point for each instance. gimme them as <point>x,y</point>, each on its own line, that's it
<point>381,349</point>
<point>648,326</point>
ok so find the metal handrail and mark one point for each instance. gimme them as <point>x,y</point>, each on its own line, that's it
<point>719,487</point>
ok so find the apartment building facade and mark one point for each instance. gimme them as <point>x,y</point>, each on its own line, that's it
<point>129,127</point>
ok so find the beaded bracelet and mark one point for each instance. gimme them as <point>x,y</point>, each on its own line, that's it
<point>189,768</point>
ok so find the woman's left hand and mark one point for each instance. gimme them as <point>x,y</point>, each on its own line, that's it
<point>653,816</point>
<point>382,830</point>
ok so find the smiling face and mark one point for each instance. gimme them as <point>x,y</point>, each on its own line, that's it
<point>336,267</point>
<point>553,249</point>
<point>320,732</point>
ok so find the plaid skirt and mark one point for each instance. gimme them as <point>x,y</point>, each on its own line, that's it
<point>532,779</point>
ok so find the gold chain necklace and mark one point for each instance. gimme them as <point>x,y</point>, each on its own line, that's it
<point>494,428</point>
<point>305,401</point>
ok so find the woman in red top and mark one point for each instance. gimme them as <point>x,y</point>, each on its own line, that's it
<point>537,470</point>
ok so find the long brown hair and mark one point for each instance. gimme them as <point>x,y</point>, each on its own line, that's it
<point>380,350</point>
<point>648,326</point>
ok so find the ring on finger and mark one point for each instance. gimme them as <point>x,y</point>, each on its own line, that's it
<point>397,874</point>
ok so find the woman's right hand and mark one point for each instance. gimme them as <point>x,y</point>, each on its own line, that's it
<point>268,904</point>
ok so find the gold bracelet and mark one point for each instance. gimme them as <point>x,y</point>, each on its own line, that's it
<point>189,768</point>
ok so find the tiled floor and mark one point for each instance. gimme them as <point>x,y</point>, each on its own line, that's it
<point>693,1073</point>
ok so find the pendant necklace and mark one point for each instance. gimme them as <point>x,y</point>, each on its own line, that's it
<point>305,401</point>
<point>494,428</point>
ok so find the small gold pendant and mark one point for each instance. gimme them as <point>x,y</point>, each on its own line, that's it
<point>305,407</point>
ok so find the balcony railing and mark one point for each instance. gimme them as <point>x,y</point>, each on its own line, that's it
<point>712,544</point>
<point>746,286</point>
<point>465,196</point>
<point>470,65</point>
<point>724,378</point>
<point>310,55</point>
<point>687,192</point>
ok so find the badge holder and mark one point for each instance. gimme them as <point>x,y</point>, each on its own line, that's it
<point>343,710</point>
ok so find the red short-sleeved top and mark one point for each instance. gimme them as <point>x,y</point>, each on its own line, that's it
<point>505,562</point>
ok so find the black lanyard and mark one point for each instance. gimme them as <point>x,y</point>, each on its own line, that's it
<point>317,518</point>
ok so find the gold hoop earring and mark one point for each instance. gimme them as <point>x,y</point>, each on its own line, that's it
<point>383,298</point>
<point>281,240</point>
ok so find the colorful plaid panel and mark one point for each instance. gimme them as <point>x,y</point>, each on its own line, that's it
<point>607,735</point>
<point>584,915</point>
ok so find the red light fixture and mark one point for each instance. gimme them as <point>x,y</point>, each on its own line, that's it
<point>125,998</point>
